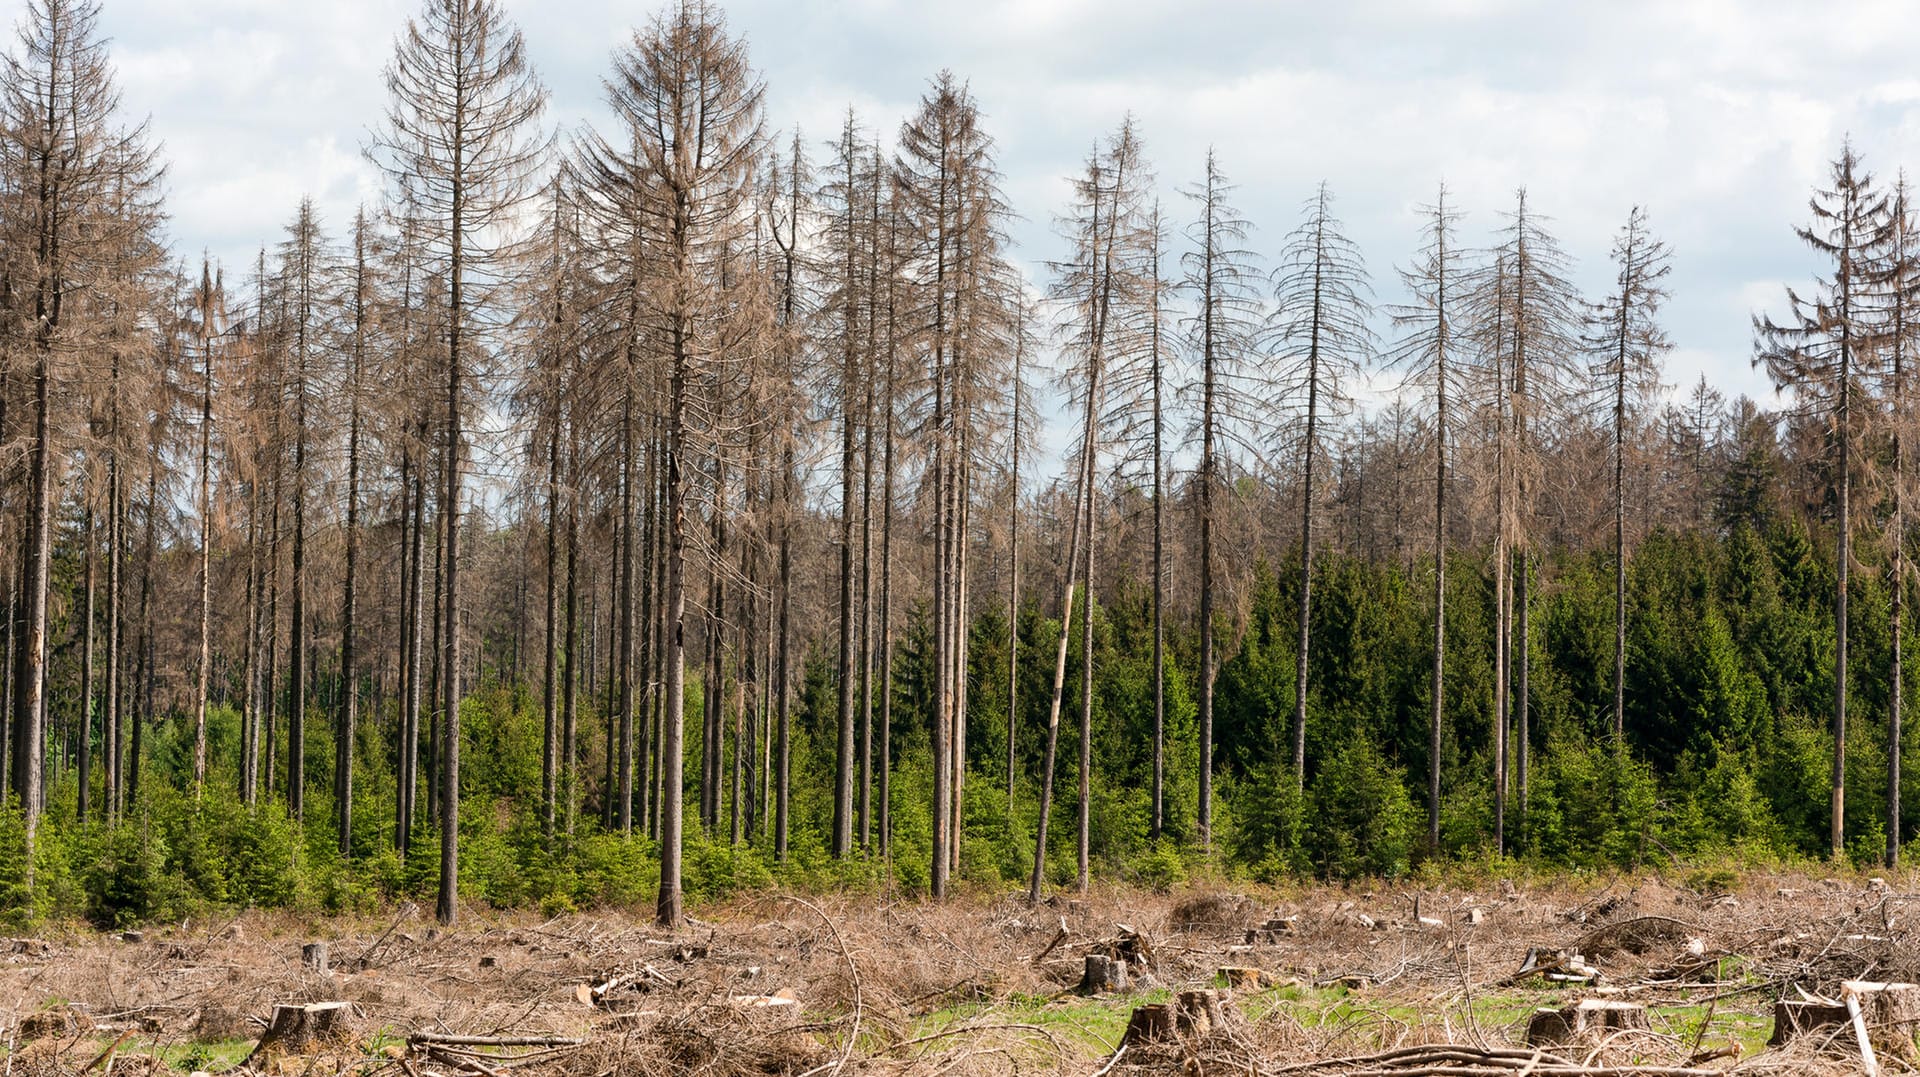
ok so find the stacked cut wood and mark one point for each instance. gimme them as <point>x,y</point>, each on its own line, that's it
<point>1558,966</point>
<point>1273,930</point>
<point>606,991</point>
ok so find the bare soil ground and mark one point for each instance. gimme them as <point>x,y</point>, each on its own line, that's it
<point>1341,981</point>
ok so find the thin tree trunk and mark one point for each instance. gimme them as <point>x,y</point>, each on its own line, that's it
<point>627,597</point>
<point>349,714</point>
<point>783,749</point>
<point>1081,496</point>
<point>146,678</point>
<point>674,641</point>
<point>569,721</point>
<point>85,745</point>
<point>204,670</point>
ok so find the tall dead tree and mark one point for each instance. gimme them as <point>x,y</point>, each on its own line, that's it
<point>957,295</point>
<point>209,303</point>
<point>1897,277</point>
<point>1320,324</point>
<point>1625,335</point>
<point>1528,327</point>
<point>360,297</point>
<point>1819,352</point>
<point>1426,352</point>
<point>68,156</point>
<point>1228,398</point>
<point>461,132</point>
<point>688,105</point>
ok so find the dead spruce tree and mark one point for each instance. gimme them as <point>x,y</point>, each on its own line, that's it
<point>1625,336</point>
<point>1897,280</point>
<point>1526,327</point>
<point>1322,343</point>
<point>1229,396</point>
<point>957,299</point>
<point>1819,352</point>
<point>690,130</point>
<point>71,164</point>
<point>1104,227</point>
<point>462,133</point>
<point>1427,353</point>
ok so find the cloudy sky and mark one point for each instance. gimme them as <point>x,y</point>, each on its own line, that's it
<point>1719,116</point>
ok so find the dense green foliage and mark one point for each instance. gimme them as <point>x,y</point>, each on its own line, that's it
<point>1728,667</point>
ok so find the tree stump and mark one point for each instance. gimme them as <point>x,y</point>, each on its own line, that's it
<point>1271,931</point>
<point>295,1027</point>
<point>1585,1019</point>
<point>1152,1023</point>
<point>1243,979</point>
<point>1103,974</point>
<point>1191,1014</point>
<point>1890,1010</point>
<point>1199,1012</point>
<point>314,956</point>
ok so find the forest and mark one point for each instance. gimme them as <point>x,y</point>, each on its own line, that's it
<point>597,474</point>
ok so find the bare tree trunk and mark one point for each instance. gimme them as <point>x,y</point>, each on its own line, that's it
<point>1082,495</point>
<point>116,662</point>
<point>1299,759</point>
<point>783,749</point>
<point>1620,527</point>
<point>866,620</point>
<point>1013,573</point>
<point>349,716</point>
<point>30,670</point>
<point>674,642</point>
<point>203,673</point>
<point>1086,673</point>
<point>549,699</point>
<point>146,678</point>
<point>402,762</point>
<point>1844,564</point>
<point>842,838</point>
<point>1159,559</point>
<point>569,721</point>
<point>627,597</point>
<point>714,743</point>
<point>85,745</point>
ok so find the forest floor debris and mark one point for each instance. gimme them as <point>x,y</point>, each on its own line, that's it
<point>1633,975</point>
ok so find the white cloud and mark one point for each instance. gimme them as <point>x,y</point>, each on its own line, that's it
<point>1717,114</point>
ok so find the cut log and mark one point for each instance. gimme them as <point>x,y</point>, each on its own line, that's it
<point>781,1001</point>
<point>294,1028</point>
<point>314,956</point>
<point>1103,974</point>
<point>1587,1019</point>
<point>1558,966</point>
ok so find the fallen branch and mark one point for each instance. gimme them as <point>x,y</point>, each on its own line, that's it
<point>449,1040</point>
